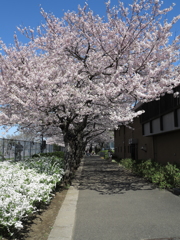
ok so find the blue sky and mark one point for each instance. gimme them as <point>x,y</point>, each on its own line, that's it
<point>27,13</point>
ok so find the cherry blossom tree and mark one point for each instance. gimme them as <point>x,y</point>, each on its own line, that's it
<point>83,73</point>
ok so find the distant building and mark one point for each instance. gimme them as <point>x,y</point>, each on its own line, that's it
<point>155,134</point>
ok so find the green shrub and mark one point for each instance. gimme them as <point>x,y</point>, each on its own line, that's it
<point>167,176</point>
<point>45,164</point>
<point>104,153</point>
<point>177,180</point>
<point>58,154</point>
<point>172,174</point>
<point>148,168</point>
<point>128,163</point>
<point>35,155</point>
<point>158,178</point>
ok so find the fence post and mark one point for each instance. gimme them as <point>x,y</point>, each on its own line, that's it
<point>24,150</point>
<point>2,157</point>
<point>30,150</point>
<point>15,151</point>
<point>2,150</point>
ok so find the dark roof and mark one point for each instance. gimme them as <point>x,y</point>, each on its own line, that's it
<point>138,106</point>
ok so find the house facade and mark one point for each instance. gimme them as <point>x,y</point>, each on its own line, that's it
<point>153,135</point>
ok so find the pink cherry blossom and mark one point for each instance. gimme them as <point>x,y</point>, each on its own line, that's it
<point>80,75</point>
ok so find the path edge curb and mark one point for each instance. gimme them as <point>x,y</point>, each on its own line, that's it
<point>64,224</point>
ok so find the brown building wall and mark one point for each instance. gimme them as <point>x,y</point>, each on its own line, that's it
<point>144,144</point>
<point>122,148</point>
<point>163,147</point>
<point>167,147</point>
<point>123,137</point>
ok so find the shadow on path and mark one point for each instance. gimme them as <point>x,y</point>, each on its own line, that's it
<point>108,177</point>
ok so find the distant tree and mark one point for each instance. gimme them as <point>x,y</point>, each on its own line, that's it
<point>23,136</point>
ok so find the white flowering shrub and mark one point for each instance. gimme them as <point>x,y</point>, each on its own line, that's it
<point>23,185</point>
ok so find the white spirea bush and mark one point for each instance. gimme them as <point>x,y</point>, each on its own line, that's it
<point>22,187</point>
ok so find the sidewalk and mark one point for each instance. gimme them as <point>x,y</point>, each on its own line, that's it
<point>107,202</point>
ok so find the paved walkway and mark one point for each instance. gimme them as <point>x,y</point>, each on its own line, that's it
<point>107,202</point>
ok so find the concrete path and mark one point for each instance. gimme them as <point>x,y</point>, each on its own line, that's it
<point>113,204</point>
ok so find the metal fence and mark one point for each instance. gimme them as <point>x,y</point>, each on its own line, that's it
<point>11,149</point>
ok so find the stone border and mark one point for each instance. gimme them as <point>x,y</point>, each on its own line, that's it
<point>65,220</point>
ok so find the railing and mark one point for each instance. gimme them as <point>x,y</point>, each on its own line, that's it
<point>17,150</point>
